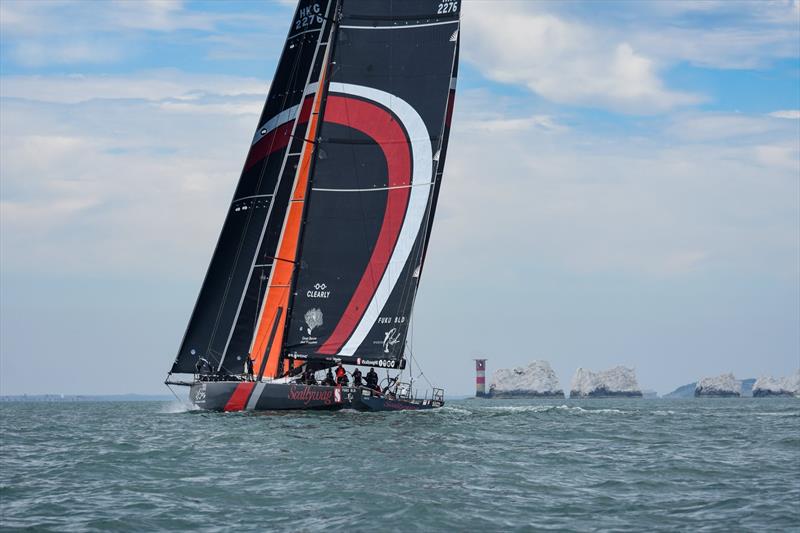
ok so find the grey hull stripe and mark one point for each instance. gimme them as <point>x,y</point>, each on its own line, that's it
<point>257,390</point>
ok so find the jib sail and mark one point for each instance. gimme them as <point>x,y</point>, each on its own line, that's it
<point>224,319</point>
<point>374,181</point>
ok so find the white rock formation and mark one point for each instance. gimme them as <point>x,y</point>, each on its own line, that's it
<point>722,385</point>
<point>617,381</point>
<point>769,386</point>
<point>536,379</point>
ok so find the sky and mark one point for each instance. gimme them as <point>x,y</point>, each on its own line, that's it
<point>622,187</point>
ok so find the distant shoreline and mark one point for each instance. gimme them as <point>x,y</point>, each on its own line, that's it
<point>86,397</point>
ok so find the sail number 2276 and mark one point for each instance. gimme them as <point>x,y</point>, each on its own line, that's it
<point>307,16</point>
<point>447,7</point>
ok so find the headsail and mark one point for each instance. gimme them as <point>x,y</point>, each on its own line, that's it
<point>374,184</point>
<point>223,322</point>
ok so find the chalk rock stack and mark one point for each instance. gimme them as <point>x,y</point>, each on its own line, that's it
<point>723,386</point>
<point>616,382</point>
<point>769,386</point>
<point>537,380</point>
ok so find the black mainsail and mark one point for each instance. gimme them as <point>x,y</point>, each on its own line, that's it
<point>322,249</point>
<point>222,324</point>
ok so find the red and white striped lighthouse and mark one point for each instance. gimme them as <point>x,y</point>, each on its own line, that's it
<point>480,377</point>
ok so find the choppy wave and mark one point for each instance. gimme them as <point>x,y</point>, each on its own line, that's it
<point>492,465</point>
<point>554,408</point>
<point>176,407</point>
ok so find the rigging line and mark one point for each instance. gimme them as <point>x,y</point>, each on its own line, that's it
<point>281,259</point>
<point>422,375</point>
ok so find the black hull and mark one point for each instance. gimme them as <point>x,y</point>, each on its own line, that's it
<point>251,396</point>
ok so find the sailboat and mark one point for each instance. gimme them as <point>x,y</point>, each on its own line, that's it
<point>323,245</point>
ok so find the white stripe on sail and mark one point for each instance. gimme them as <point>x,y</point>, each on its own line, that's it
<point>284,116</point>
<point>423,169</point>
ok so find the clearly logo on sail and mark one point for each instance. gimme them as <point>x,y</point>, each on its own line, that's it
<point>313,319</point>
<point>319,291</point>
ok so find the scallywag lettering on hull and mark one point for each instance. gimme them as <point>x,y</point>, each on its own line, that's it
<point>307,394</point>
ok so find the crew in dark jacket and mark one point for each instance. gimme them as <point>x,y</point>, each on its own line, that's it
<point>248,367</point>
<point>356,377</point>
<point>308,376</point>
<point>372,379</point>
<point>329,378</point>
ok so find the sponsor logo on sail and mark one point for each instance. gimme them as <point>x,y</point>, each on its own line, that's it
<point>390,338</point>
<point>313,319</point>
<point>318,291</point>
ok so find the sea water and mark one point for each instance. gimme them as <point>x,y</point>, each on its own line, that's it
<point>475,465</point>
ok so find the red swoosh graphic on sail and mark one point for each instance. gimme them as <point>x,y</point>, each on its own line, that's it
<point>384,129</point>
<point>278,138</point>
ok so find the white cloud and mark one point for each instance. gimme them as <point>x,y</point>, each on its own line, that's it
<point>110,174</point>
<point>505,124</point>
<point>566,62</point>
<point>723,48</point>
<point>660,205</point>
<point>56,32</point>
<point>37,54</point>
<point>792,114</point>
<point>156,85</point>
<point>709,126</point>
<point>134,172</point>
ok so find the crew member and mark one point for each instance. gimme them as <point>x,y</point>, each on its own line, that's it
<point>356,377</point>
<point>372,378</point>
<point>203,366</point>
<point>341,375</point>
<point>248,367</point>
<point>329,378</point>
<point>308,376</point>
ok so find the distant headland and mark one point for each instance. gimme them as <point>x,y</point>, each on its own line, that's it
<point>538,380</point>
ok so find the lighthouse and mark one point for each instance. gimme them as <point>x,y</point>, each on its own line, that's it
<point>480,378</point>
